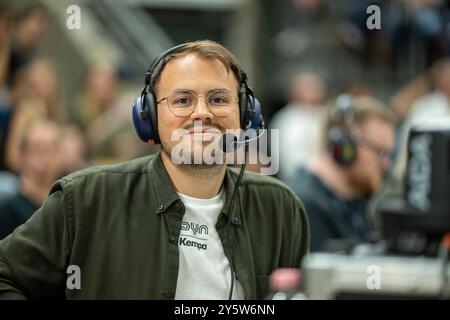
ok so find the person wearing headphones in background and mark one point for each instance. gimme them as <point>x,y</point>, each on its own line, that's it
<point>153,229</point>
<point>336,185</point>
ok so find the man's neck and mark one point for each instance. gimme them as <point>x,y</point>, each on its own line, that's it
<point>333,176</point>
<point>202,183</point>
<point>33,190</point>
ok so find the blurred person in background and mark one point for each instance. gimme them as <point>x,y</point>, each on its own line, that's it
<point>433,105</point>
<point>20,37</point>
<point>336,185</point>
<point>6,30</point>
<point>103,114</point>
<point>40,98</point>
<point>73,149</point>
<point>300,122</point>
<point>98,92</point>
<point>436,103</point>
<point>30,28</point>
<point>411,36</point>
<point>430,19</point>
<point>40,167</point>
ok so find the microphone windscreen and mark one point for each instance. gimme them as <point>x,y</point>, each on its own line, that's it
<point>227,142</point>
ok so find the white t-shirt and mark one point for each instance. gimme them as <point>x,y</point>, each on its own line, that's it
<point>204,271</point>
<point>300,136</point>
<point>430,107</point>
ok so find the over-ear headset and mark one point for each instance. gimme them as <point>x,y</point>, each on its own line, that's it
<point>341,142</point>
<point>145,115</point>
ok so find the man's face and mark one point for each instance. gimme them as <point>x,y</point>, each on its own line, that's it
<point>376,142</point>
<point>200,76</point>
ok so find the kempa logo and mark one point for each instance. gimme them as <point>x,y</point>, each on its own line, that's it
<point>190,243</point>
<point>204,147</point>
<point>195,227</point>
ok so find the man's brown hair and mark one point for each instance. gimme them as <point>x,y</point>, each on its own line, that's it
<point>202,48</point>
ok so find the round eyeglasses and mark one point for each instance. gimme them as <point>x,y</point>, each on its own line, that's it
<point>182,103</point>
<point>381,152</point>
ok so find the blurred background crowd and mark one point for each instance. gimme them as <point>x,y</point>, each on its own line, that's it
<point>66,94</point>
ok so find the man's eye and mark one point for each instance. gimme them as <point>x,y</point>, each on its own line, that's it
<point>219,100</point>
<point>182,101</point>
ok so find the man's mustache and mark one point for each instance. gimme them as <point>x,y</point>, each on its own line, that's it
<point>204,124</point>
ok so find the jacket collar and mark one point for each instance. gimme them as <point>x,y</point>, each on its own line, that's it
<point>230,182</point>
<point>163,188</point>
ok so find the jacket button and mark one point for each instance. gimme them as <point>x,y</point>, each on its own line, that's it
<point>168,295</point>
<point>160,207</point>
<point>173,241</point>
<point>235,219</point>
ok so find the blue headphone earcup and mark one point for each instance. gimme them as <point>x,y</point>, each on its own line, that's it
<point>243,108</point>
<point>142,120</point>
<point>250,109</point>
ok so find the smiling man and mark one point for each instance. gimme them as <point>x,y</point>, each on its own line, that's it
<point>153,229</point>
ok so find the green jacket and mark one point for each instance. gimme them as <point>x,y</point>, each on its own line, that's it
<point>120,225</point>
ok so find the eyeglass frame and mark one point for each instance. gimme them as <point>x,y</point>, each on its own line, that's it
<point>381,152</point>
<point>197,96</point>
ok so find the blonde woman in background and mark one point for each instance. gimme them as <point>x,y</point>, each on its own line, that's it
<point>40,98</point>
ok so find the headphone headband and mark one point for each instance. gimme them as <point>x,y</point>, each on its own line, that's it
<point>158,59</point>
<point>341,144</point>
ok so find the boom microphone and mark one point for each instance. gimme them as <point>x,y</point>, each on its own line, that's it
<point>228,141</point>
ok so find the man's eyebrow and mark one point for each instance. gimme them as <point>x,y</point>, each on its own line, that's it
<point>208,92</point>
<point>219,90</point>
<point>183,91</point>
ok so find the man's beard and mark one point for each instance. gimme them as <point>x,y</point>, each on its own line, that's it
<point>366,185</point>
<point>196,166</point>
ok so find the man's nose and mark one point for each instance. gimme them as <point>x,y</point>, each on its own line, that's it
<point>201,111</point>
